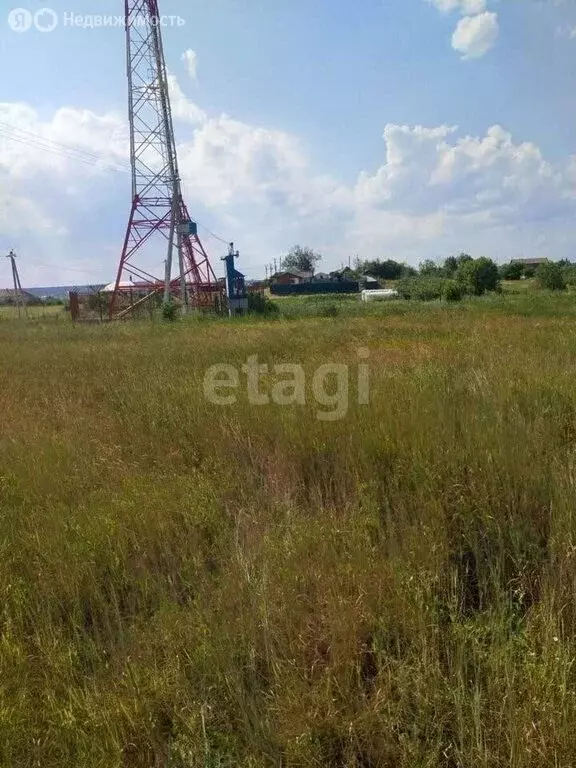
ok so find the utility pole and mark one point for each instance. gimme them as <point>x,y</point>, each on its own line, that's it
<point>20,303</point>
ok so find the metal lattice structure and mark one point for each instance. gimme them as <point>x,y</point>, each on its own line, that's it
<point>159,222</point>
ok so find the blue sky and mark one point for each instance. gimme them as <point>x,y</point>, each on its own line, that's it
<point>306,91</point>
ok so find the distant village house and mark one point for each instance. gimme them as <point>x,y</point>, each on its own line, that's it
<point>292,277</point>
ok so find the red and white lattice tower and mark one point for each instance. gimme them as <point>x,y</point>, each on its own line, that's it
<point>159,225</point>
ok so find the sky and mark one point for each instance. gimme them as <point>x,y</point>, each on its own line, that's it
<point>402,129</point>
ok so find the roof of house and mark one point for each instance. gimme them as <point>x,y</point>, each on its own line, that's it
<point>111,287</point>
<point>529,261</point>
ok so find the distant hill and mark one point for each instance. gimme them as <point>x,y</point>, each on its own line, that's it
<point>61,291</point>
<point>8,297</point>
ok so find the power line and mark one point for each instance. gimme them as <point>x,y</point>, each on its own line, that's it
<point>221,239</point>
<point>90,159</point>
<point>36,137</point>
<point>54,150</point>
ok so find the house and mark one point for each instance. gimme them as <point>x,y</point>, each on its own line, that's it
<point>323,277</point>
<point>534,263</point>
<point>292,277</point>
<point>124,285</point>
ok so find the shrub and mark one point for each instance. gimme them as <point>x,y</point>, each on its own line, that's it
<point>259,304</point>
<point>169,310</point>
<point>53,301</point>
<point>551,276</point>
<point>569,275</point>
<point>97,302</point>
<point>452,291</point>
<point>421,288</point>
<point>330,310</point>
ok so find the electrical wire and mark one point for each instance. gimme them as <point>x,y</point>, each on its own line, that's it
<point>54,150</point>
<point>221,239</point>
<point>36,141</point>
<point>37,138</point>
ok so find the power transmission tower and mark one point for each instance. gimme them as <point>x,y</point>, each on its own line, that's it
<point>159,222</point>
<point>18,293</point>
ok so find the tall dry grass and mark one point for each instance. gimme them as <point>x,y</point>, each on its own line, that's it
<point>190,585</point>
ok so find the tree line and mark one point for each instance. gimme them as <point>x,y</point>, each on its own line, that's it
<point>452,278</point>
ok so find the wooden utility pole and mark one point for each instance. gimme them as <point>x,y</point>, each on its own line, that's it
<point>18,294</point>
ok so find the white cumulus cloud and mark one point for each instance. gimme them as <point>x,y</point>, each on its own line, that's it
<point>434,192</point>
<point>477,30</point>
<point>472,7</point>
<point>475,35</point>
<point>466,7</point>
<point>190,58</point>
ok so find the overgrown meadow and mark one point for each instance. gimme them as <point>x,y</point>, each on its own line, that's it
<point>191,585</point>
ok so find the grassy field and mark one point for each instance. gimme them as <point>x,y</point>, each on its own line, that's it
<point>35,313</point>
<point>191,585</point>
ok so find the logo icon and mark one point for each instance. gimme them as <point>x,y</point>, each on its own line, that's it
<point>20,20</point>
<point>45,20</point>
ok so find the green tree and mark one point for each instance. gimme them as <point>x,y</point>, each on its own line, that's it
<point>512,271</point>
<point>450,266</point>
<point>551,276</point>
<point>429,268</point>
<point>301,258</point>
<point>476,276</point>
<point>384,270</point>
